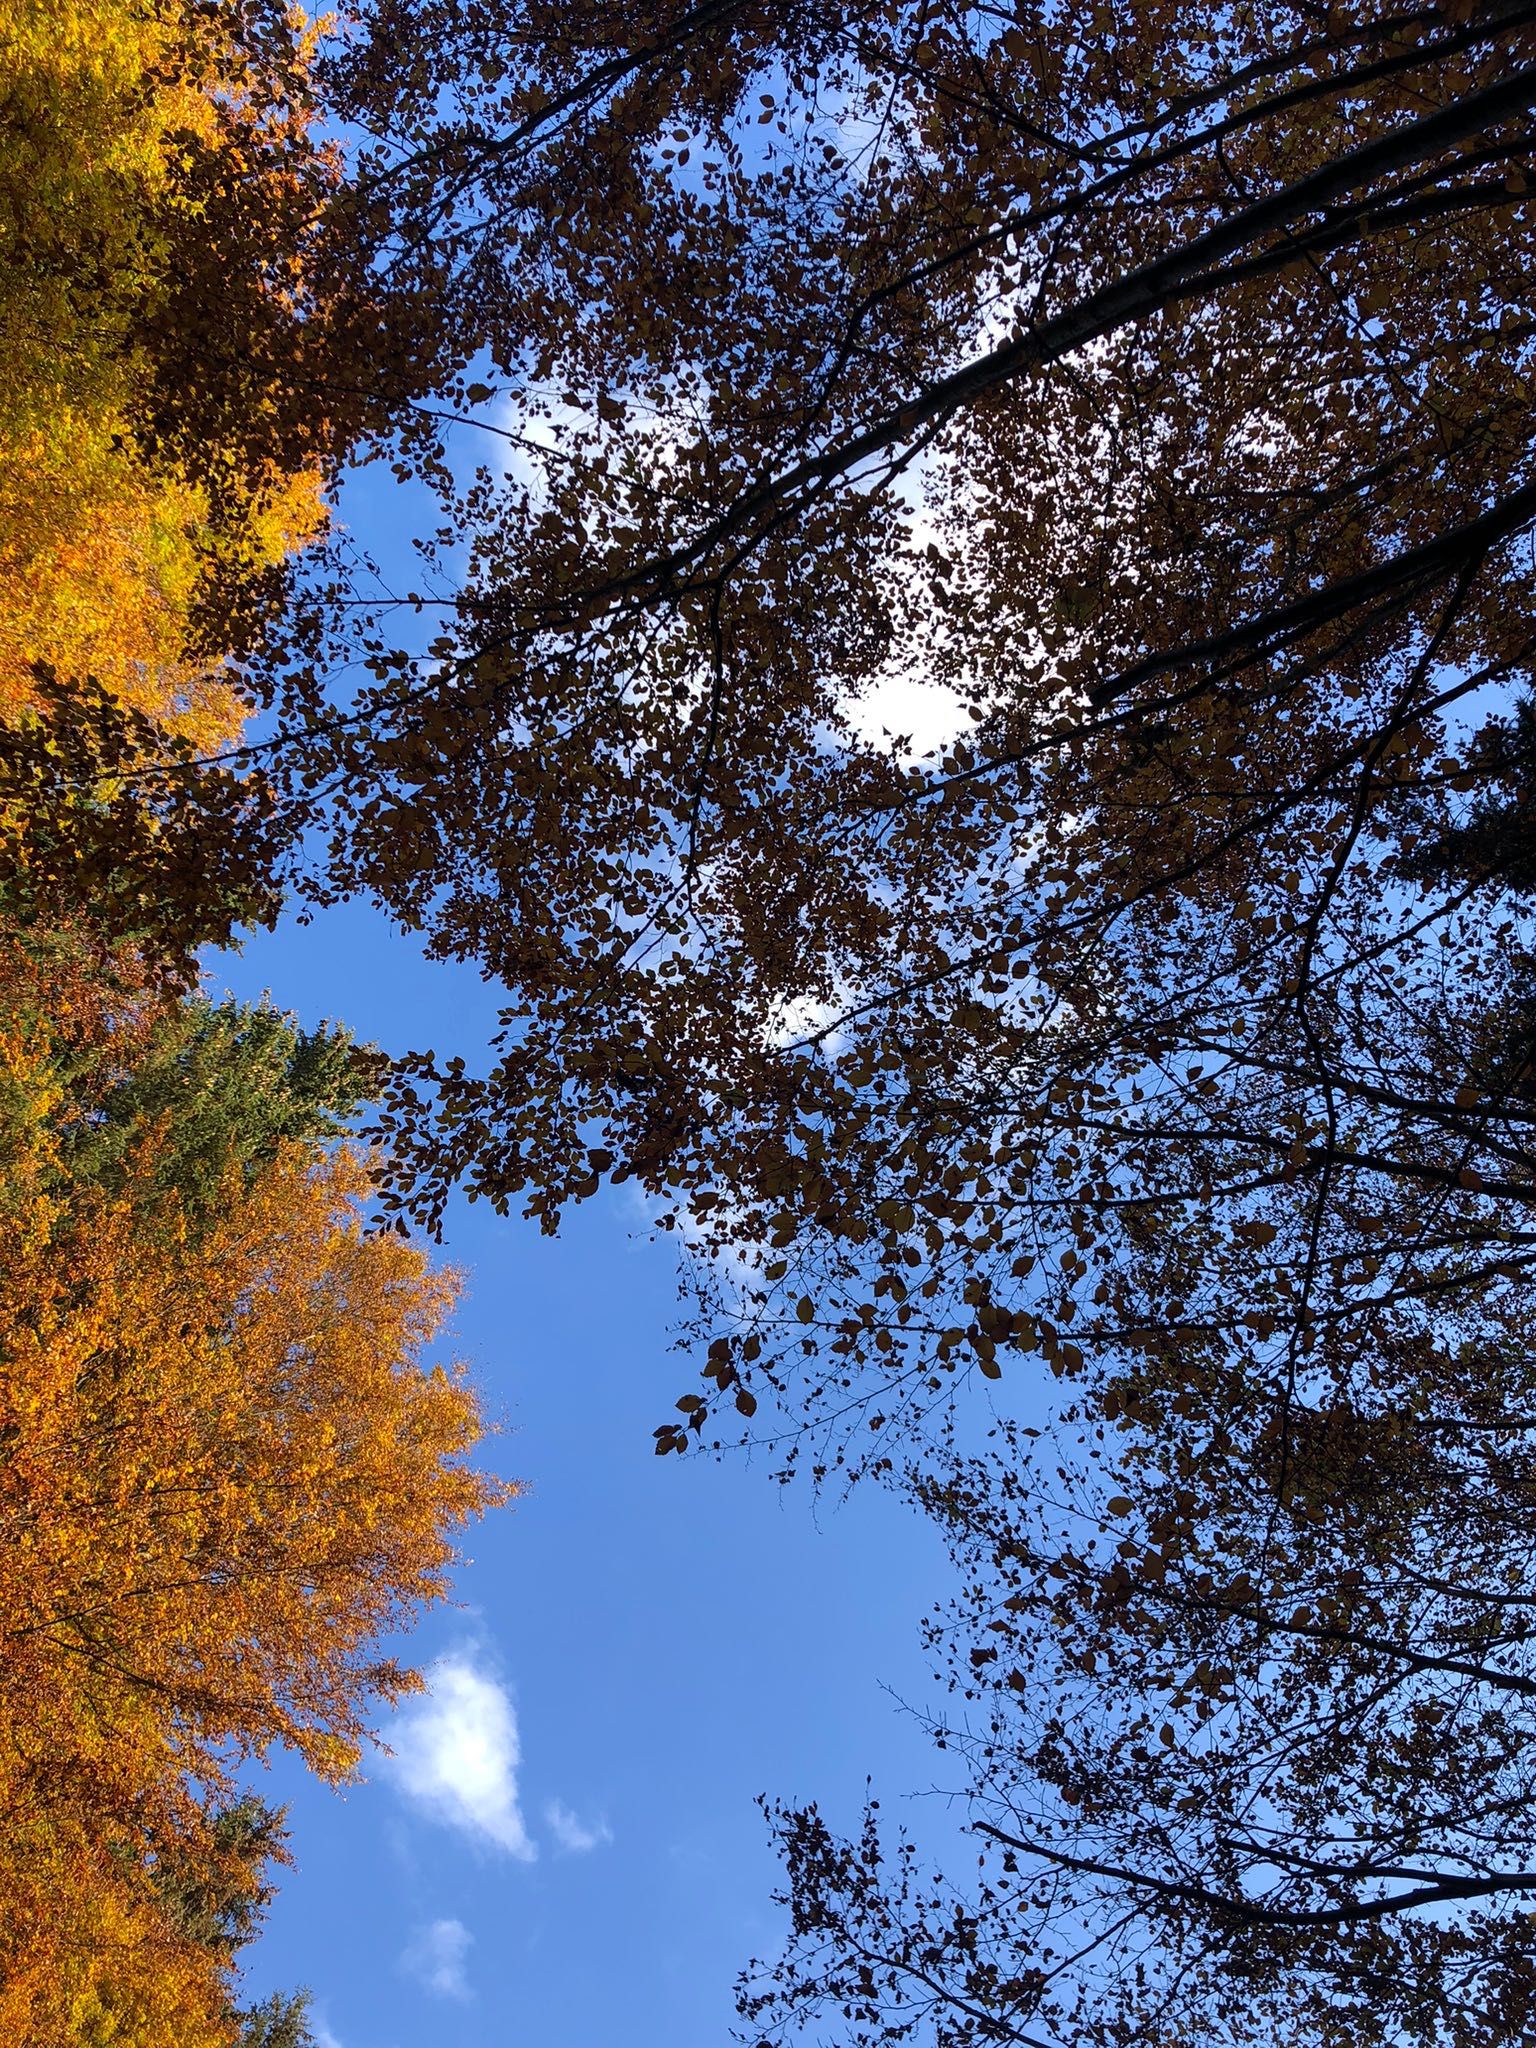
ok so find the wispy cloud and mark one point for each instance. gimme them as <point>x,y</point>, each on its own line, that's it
<point>572,1833</point>
<point>435,1958</point>
<point>324,2038</point>
<point>456,1755</point>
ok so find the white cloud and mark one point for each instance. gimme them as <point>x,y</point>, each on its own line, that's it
<point>456,1755</point>
<point>436,1958</point>
<point>901,703</point>
<point>573,1833</point>
<point>324,2038</point>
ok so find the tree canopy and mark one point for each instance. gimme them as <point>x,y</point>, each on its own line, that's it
<point>231,1471</point>
<point>1148,391</point>
<point>1138,398</point>
<point>229,1474</point>
<point>978,705</point>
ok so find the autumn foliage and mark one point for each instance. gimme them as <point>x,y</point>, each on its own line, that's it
<point>1105,1116</point>
<point>229,1471</point>
<point>192,341</point>
<point>1136,399</point>
<point>119,124</point>
<point>228,1474</point>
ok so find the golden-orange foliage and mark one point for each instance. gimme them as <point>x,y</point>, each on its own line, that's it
<point>90,1959</point>
<point>225,1470</point>
<point>113,117</point>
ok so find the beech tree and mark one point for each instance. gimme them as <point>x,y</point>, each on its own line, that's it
<point>122,127</point>
<point>194,336</point>
<point>111,821</point>
<point>1139,398</point>
<point>229,1472</point>
<point>1148,391</point>
<point>1239,1725</point>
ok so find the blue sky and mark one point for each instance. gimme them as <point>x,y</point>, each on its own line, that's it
<point>565,1850</point>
